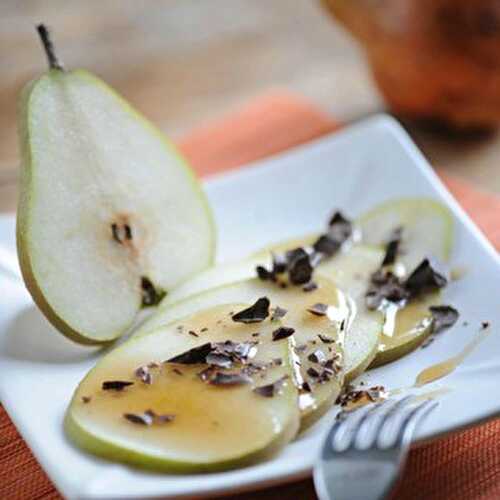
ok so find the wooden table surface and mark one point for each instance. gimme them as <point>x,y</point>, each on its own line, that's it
<point>183,62</point>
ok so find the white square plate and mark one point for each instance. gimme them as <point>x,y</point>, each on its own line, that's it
<point>288,195</point>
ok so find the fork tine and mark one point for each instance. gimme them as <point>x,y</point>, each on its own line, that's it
<point>409,423</point>
<point>350,422</point>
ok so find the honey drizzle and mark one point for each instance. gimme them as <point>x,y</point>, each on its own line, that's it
<point>443,368</point>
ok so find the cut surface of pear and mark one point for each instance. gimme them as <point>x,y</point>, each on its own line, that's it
<point>307,327</point>
<point>427,228</point>
<point>209,427</point>
<point>110,216</point>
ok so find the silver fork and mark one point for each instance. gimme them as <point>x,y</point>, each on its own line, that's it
<point>366,449</point>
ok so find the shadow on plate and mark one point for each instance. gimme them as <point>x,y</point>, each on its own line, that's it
<point>30,337</point>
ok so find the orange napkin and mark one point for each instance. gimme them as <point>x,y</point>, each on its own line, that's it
<point>465,465</point>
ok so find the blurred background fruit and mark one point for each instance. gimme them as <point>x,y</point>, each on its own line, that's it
<point>437,59</point>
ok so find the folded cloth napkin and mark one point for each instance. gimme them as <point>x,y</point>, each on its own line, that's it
<point>465,465</point>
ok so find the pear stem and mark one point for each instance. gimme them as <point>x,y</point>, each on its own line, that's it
<point>48,46</point>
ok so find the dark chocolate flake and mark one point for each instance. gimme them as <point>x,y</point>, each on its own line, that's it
<point>485,324</point>
<point>305,387</point>
<point>228,379</point>
<point>392,247</point>
<point>300,270</point>
<point>278,313</point>
<point>317,357</point>
<point>312,372</point>
<point>318,309</point>
<point>144,374</point>
<point>443,317</point>
<point>86,399</point>
<point>219,359</point>
<point>270,390</point>
<point>310,287</point>
<point>143,419</point>
<point>326,245</point>
<point>282,332</point>
<point>115,385</point>
<point>193,356</point>
<point>325,339</point>
<point>385,286</point>
<point>193,333</point>
<point>255,313</point>
<point>424,279</point>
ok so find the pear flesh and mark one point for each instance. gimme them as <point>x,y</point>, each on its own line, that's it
<point>307,328</point>
<point>110,217</point>
<point>205,427</point>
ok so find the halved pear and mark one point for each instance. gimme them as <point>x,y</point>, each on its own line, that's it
<point>110,217</point>
<point>427,228</point>
<point>307,328</point>
<point>194,426</point>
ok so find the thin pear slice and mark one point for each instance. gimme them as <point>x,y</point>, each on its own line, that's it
<point>405,329</point>
<point>427,228</point>
<point>110,217</point>
<point>211,427</point>
<point>350,271</point>
<point>307,327</point>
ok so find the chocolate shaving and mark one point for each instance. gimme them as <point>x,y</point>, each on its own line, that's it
<point>177,371</point>
<point>204,329</point>
<point>143,419</point>
<point>151,296</point>
<point>312,372</point>
<point>325,339</point>
<point>148,418</point>
<point>86,399</point>
<point>392,247</point>
<point>325,375</point>
<point>193,333</point>
<point>385,286</point>
<point>228,379</point>
<point>306,387</point>
<point>317,357</point>
<point>194,356</point>
<point>326,245</point>
<point>318,309</point>
<point>144,374</point>
<point>282,332</point>
<point>278,313</point>
<point>443,317</point>
<point>115,385</point>
<point>485,324</point>
<point>219,359</point>
<point>255,313</point>
<point>310,287</point>
<point>300,269</point>
<point>270,390</point>
<point>424,279</point>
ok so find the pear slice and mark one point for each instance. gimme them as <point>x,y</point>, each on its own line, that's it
<point>427,228</point>
<point>349,270</point>
<point>307,327</point>
<point>405,329</point>
<point>110,217</point>
<point>195,426</point>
